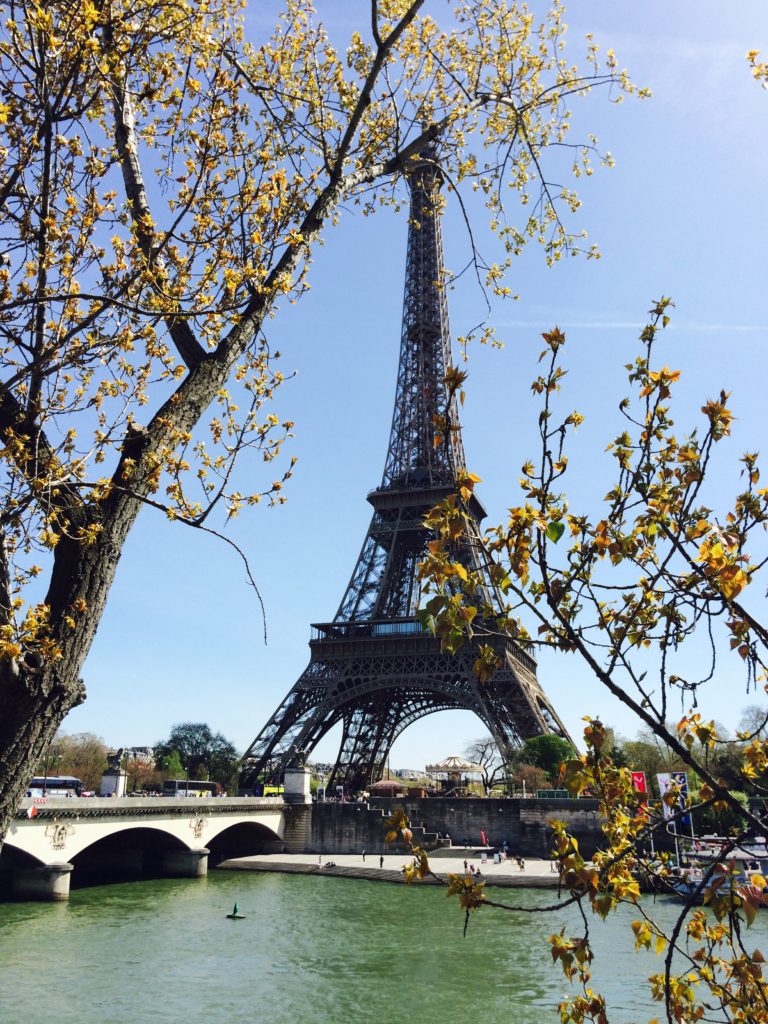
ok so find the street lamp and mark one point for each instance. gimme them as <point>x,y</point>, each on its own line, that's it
<point>50,761</point>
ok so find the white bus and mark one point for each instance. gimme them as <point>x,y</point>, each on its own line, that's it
<point>55,785</point>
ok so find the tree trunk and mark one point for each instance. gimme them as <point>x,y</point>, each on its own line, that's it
<point>34,703</point>
<point>35,695</point>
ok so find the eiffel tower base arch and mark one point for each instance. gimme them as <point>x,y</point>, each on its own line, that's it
<point>378,686</point>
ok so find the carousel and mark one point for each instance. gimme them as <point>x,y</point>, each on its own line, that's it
<point>453,775</point>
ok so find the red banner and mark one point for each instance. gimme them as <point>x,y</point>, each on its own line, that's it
<point>640,786</point>
<point>638,782</point>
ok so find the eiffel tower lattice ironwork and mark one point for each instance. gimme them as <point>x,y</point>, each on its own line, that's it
<point>373,668</point>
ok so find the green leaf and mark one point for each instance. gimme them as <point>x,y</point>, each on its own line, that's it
<point>555,531</point>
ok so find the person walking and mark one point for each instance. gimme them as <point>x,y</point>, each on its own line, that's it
<point>363,856</point>
<point>381,860</point>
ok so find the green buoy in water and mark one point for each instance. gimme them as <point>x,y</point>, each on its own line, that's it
<point>235,915</point>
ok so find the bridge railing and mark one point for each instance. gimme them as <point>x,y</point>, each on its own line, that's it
<point>82,806</point>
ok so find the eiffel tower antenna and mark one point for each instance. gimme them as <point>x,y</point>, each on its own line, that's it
<point>373,668</point>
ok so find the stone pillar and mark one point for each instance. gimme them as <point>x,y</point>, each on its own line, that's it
<point>186,863</point>
<point>297,836</point>
<point>46,882</point>
<point>296,782</point>
<point>113,783</point>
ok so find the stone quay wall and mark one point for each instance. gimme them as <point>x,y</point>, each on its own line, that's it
<point>346,828</point>
<point>522,824</point>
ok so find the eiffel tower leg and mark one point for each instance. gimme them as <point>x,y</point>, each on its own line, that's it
<point>298,724</point>
<point>354,739</point>
<point>385,738</point>
<point>366,742</point>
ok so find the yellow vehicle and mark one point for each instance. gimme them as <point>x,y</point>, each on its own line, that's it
<point>273,790</point>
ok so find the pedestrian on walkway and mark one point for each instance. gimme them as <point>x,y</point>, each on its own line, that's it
<point>381,860</point>
<point>363,856</point>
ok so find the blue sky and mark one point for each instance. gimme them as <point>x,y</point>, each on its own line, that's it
<point>683,213</point>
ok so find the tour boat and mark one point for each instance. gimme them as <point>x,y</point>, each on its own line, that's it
<point>738,862</point>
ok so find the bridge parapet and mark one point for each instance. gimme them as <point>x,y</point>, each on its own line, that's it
<point>139,807</point>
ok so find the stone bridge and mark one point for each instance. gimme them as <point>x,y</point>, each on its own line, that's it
<point>93,839</point>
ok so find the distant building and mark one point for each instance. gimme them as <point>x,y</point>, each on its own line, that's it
<point>139,754</point>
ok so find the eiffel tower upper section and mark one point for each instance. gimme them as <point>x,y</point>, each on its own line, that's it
<point>418,471</point>
<point>373,669</point>
<point>414,461</point>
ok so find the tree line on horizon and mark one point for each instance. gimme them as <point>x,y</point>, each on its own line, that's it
<point>191,750</point>
<point>538,765</point>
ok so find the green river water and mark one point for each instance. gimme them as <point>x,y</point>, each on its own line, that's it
<point>310,951</point>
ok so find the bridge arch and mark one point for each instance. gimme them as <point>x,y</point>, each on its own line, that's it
<point>12,857</point>
<point>129,853</point>
<point>243,839</point>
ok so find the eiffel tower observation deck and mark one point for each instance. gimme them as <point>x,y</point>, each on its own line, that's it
<point>373,668</point>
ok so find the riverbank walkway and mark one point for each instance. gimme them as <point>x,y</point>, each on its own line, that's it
<point>538,874</point>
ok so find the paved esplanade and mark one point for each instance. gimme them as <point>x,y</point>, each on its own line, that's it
<point>537,873</point>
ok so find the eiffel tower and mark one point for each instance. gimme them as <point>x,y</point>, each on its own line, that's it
<point>374,668</point>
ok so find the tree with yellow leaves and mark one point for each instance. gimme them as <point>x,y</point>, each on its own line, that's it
<point>163,181</point>
<point>667,565</point>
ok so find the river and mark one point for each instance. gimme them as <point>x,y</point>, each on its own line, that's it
<point>311,950</point>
